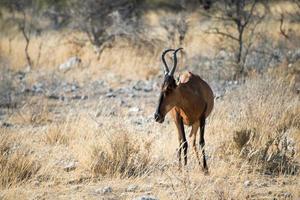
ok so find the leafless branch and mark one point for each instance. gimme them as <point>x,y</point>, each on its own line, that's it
<point>218,32</point>
<point>26,37</point>
<point>250,14</point>
<point>282,31</point>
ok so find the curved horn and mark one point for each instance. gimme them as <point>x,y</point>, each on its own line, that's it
<point>175,61</point>
<point>166,69</point>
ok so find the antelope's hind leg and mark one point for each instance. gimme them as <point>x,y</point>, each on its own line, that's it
<point>193,135</point>
<point>202,141</point>
<point>183,145</point>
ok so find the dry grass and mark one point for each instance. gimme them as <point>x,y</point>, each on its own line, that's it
<point>123,156</point>
<point>16,164</point>
<point>35,111</point>
<point>57,134</point>
<point>137,60</point>
<point>260,136</point>
<point>263,127</point>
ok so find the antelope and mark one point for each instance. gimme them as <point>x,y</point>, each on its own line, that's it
<point>190,103</point>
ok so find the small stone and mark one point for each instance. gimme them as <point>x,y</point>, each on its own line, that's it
<point>143,86</point>
<point>36,183</point>
<point>5,124</point>
<point>145,198</point>
<point>222,54</point>
<point>76,187</point>
<point>70,166</point>
<point>247,183</point>
<point>132,188</point>
<point>110,94</point>
<point>37,88</point>
<point>134,109</point>
<point>27,69</point>
<point>53,96</point>
<point>148,188</point>
<point>262,185</point>
<point>70,63</point>
<point>104,190</point>
<point>74,88</point>
<point>287,195</point>
<point>79,97</point>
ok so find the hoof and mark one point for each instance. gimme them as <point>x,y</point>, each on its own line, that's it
<point>206,172</point>
<point>179,168</point>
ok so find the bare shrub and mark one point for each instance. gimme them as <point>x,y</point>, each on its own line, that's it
<point>243,17</point>
<point>265,111</point>
<point>123,156</point>
<point>16,166</point>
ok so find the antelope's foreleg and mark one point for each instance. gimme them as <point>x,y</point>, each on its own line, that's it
<point>183,145</point>
<point>202,141</point>
<point>193,134</point>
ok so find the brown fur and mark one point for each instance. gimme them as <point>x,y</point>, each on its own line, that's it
<point>192,95</point>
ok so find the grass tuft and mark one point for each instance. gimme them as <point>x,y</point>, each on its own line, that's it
<point>16,166</point>
<point>56,134</point>
<point>123,156</point>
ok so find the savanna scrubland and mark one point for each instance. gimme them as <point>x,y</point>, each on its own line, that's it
<point>79,84</point>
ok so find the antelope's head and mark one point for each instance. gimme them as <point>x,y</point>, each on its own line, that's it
<point>167,98</point>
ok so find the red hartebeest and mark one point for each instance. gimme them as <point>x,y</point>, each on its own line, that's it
<point>190,102</point>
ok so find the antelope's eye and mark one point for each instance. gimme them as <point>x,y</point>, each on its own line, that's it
<point>168,90</point>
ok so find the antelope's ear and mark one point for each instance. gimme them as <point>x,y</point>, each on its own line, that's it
<point>177,79</point>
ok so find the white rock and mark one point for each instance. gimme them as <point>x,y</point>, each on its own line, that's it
<point>70,63</point>
<point>145,198</point>
<point>132,188</point>
<point>247,183</point>
<point>104,190</point>
<point>222,54</point>
<point>110,94</point>
<point>70,166</point>
<point>27,69</point>
<point>76,187</point>
<point>287,195</point>
<point>38,87</point>
<point>134,109</point>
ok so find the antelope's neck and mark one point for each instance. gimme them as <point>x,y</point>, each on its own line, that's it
<point>182,105</point>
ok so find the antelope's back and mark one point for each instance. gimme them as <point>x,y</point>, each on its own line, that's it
<point>200,89</point>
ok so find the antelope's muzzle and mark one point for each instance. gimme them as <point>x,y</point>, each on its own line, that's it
<point>158,118</point>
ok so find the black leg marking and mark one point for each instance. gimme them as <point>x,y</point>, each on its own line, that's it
<point>183,144</point>
<point>202,141</point>
<point>182,140</point>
